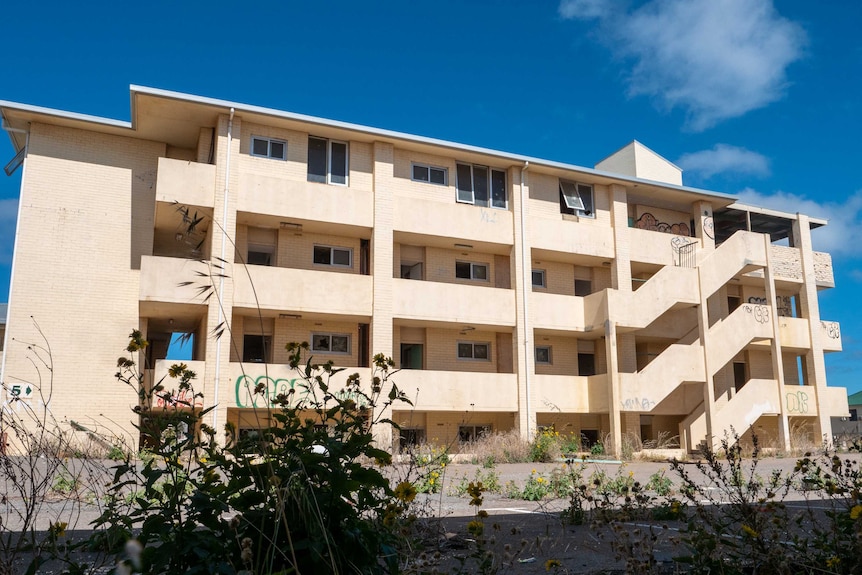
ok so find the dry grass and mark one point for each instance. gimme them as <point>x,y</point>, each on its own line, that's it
<point>498,448</point>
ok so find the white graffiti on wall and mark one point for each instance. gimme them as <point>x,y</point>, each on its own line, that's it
<point>637,404</point>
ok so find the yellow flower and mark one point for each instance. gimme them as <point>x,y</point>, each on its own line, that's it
<point>540,480</point>
<point>856,512</point>
<point>533,471</point>
<point>749,531</point>
<point>476,528</point>
<point>551,564</point>
<point>832,562</point>
<point>58,529</point>
<point>405,492</point>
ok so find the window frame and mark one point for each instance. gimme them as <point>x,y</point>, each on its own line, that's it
<point>550,360</point>
<point>473,266</point>
<point>568,205</point>
<point>327,178</point>
<point>428,168</point>
<point>265,346</point>
<point>489,186</point>
<point>330,335</point>
<point>269,142</point>
<point>582,357</point>
<point>473,345</point>
<point>544,283</point>
<point>332,250</point>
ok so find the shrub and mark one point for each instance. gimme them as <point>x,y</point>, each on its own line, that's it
<point>298,497</point>
<point>545,446</point>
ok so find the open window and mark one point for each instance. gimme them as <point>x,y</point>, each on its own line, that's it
<point>327,161</point>
<point>482,186</point>
<point>576,199</point>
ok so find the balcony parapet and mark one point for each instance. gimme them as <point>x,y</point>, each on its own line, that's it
<point>185,182</point>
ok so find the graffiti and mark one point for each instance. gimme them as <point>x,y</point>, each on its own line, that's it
<point>709,227</point>
<point>185,398</point>
<point>488,216</point>
<point>797,402</point>
<point>265,389</point>
<point>647,221</point>
<point>760,312</point>
<point>637,404</point>
<point>782,303</point>
<point>833,330</point>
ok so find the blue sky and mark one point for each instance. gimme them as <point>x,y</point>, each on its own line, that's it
<point>750,97</point>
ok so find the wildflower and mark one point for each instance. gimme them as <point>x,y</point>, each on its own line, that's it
<point>58,529</point>
<point>476,528</point>
<point>540,480</point>
<point>749,531</point>
<point>551,564</point>
<point>856,512</point>
<point>482,513</point>
<point>405,492</point>
<point>832,562</point>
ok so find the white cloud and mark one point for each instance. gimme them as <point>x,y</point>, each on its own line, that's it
<point>716,59</point>
<point>585,9</point>
<point>843,234</point>
<point>722,159</point>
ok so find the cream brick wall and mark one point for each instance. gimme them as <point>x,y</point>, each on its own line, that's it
<point>298,251</point>
<point>440,265</point>
<point>84,193</point>
<point>564,355</point>
<point>441,350</point>
<point>295,167</point>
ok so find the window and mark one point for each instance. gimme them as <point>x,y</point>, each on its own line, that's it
<point>430,174</point>
<point>543,354</point>
<point>482,186</point>
<point>472,350</point>
<point>332,343</point>
<point>330,256</point>
<point>854,415</point>
<point>256,348</point>
<point>471,271</point>
<point>327,161</point>
<point>410,437</point>
<point>268,148</point>
<point>576,199</point>
<point>470,433</point>
<point>586,364</point>
<point>539,278</point>
<point>259,256</point>
<point>583,287</point>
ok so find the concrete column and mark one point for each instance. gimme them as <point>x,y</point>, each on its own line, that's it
<point>777,363</point>
<point>709,369</point>
<point>382,247</point>
<point>620,354</point>
<point>704,226</point>
<point>815,365</point>
<point>216,381</point>
<point>522,339</point>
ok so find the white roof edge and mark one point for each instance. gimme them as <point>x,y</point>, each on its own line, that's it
<point>65,114</point>
<point>775,213</point>
<point>414,138</point>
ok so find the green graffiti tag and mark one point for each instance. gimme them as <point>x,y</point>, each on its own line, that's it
<point>273,387</point>
<point>797,402</point>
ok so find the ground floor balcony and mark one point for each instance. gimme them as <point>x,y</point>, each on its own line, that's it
<point>571,393</point>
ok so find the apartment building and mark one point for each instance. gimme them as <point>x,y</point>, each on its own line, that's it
<point>513,292</point>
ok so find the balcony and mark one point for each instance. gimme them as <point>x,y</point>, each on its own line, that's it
<point>787,264</point>
<point>657,247</point>
<point>587,238</point>
<point>793,333</point>
<point>184,182</point>
<point>556,312</point>
<point>571,393</point>
<point>458,391</point>
<point>830,335</point>
<point>301,200</point>
<point>453,303</point>
<point>161,278</point>
<point>278,379</point>
<point>172,397</point>
<point>453,220</point>
<point>312,291</point>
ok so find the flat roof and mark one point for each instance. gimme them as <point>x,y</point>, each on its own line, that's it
<point>179,125</point>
